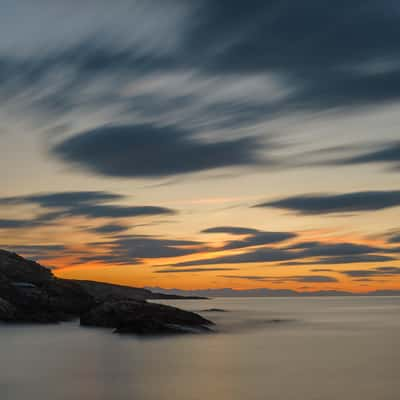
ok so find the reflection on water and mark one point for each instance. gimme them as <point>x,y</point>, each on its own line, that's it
<point>279,348</point>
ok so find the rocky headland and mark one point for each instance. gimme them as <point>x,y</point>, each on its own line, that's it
<point>30,293</point>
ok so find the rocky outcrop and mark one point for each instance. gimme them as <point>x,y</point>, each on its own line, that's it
<point>107,292</point>
<point>141,317</point>
<point>30,292</point>
<point>19,269</point>
<point>36,295</point>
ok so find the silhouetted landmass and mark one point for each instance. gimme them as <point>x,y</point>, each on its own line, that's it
<point>31,293</point>
<point>139,317</point>
<point>106,291</point>
<point>228,292</point>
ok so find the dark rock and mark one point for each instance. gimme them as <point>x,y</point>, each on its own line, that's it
<point>19,269</point>
<point>36,294</point>
<point>214,310</point>
<point>140,317</point>
<point>8,312</point>
<point>30,292</point>
<point>110,292</point>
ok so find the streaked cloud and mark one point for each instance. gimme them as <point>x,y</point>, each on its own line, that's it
<point>253,237</point>
<point>191,270</point>
<point>314,204</point>
<point>378,272</point>
<point>283,279</point>
<point>151,151</point>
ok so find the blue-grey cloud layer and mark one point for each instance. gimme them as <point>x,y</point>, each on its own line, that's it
<point>319,252</point>
<point>253,237</point>
<point>80,203</point>
<point>375,272</point>
<point>150,151</point>
<point>337,203</point>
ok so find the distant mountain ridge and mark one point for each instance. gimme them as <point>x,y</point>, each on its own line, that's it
<point>228,292</point>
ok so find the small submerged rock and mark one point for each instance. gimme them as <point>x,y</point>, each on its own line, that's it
<point>214,310</point>
<point>143,318</point>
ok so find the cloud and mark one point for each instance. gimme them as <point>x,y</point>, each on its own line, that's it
<point>388,154</point>
<point>314,204</point>
<point>113,211</point>
<point>255,256</point>
<point>322,270</point>
<point>34,222</point>
<point>394,238</point>
<point>379,271</point>
<point>293,255</point>
<point>63,199</point>
<point>109,229</point>
<point>148,151</point>
<point>312,58</point>
<point>233,230</point>
<point>254,237</point>
<point>283,279</point>
<point>132,249</point>
<point>17,224</point>
<point>80,203</point>
<point>329,61</point>
<point>36,252</point>
<point>246,277</point>
<point>313,249</point>
<point>349,259</point>
<point>188,270</point>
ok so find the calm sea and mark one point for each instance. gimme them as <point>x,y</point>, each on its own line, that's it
<point>265,348</point>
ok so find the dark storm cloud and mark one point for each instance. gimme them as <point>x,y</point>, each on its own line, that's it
<point>314,204</point>
<point>253,237</point>
<point>379,271</point>
<point>150,151</point>
<point>87,204</point>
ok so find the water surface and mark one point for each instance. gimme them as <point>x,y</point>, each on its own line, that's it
<point>265,348</point>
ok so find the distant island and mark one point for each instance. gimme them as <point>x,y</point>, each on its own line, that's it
<point>264,292</point>
<point>30,293</point>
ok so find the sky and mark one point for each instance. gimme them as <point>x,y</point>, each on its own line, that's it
<point>203,144</point>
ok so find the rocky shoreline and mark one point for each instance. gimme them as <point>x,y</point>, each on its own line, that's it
<point>30,293</point>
